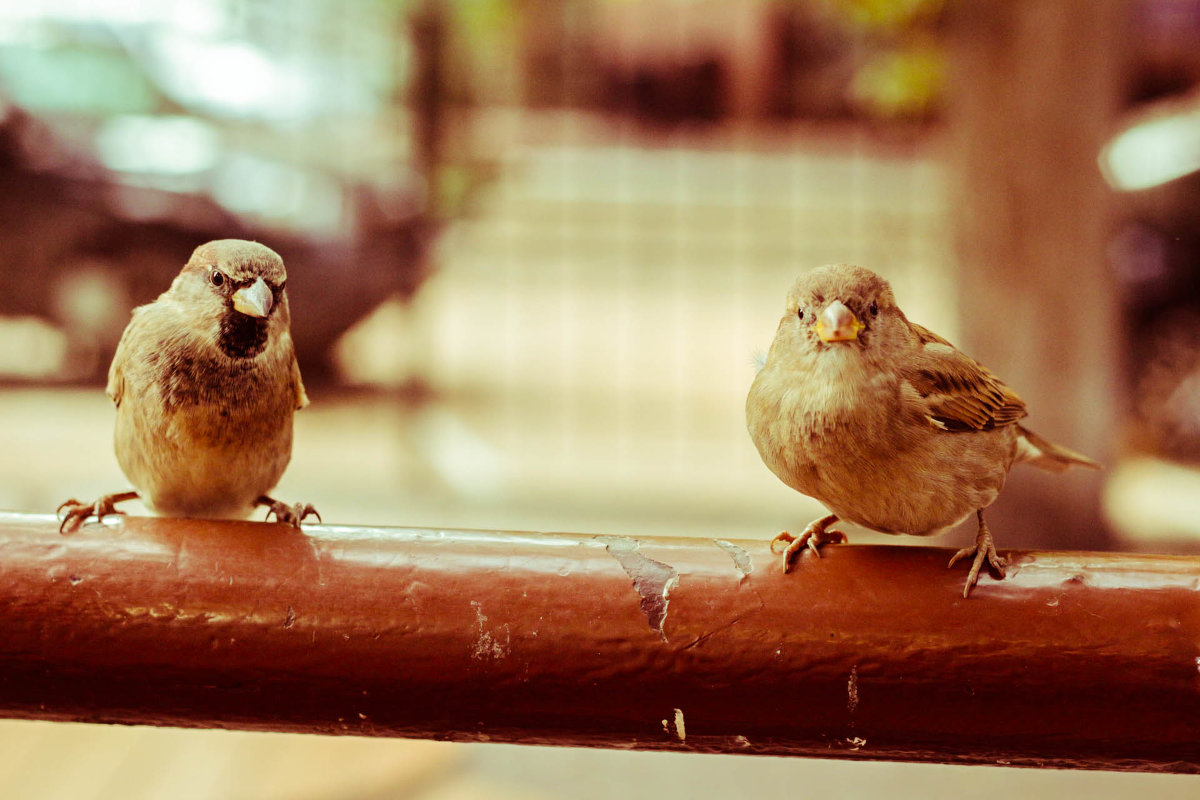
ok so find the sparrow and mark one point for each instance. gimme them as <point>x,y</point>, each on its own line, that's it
<point>205,382</point>
<point>884,422</point>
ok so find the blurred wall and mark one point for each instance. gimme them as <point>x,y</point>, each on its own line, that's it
<point>1035,88</point>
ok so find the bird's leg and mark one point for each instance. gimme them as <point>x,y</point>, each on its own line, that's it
<point>78,512</point>
<point>816,534</point>
<point>984,549</point>
<point>289,515</point>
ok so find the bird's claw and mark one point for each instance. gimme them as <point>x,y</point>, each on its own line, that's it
<point>816,534</point>
<point>78,512</point>
<point>983,551</point>
<point>824,537</point>
<point>291,515</point>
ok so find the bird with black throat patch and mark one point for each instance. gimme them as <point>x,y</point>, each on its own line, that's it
<point>884,422</point>
<point>205,382</point>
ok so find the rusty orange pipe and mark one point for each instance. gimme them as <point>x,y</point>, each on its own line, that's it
<point>1075,660</point>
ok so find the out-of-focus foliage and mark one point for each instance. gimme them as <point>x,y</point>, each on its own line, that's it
<point>900,84</point>
<point>902,75</point>
<point>885,14</point>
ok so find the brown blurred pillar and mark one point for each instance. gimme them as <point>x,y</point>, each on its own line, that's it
<point>694,645</point>
<point>1034,86</point>
<point>429,90</point>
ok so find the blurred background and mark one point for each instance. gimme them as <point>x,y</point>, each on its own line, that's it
<point>532,248</point>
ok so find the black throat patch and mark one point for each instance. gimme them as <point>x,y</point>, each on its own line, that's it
<point>241,335</point>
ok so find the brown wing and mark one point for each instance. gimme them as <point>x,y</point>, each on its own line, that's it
<point>116,371</point>
<point>116,382</point>
<point>959,393</point>
<point>298,386</point>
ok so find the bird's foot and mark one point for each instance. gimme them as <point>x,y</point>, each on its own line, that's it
<point>78,512</point>
<point>984,550</point>
<point>289,515</point>
<point>816,534</point>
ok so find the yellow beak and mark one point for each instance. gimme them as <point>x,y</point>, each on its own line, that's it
<point>837,323</point>
<point>254,300</point>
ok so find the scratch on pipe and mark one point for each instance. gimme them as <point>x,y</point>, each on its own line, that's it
<point>704,637</point>
<point>852,690</point>
<point>488,646</point>
<point>652,579</point>
<point>740,556</point>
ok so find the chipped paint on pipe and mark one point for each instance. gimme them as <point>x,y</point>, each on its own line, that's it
<point>652,579</point>
<point>1075,660</point>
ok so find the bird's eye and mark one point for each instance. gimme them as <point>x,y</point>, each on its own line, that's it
<point>873,308</point>
<point>217,278</point>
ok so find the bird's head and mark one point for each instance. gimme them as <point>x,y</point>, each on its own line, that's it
<point>840,308</point>
<point>234,290</point>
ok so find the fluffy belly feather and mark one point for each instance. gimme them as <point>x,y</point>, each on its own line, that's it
<point>827,446</point>
<point>942,484</point>
<point>214,466</point>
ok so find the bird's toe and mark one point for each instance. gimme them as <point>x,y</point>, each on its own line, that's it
<point>290,514</point>
<point>302,511</point>
<point>78,513</point>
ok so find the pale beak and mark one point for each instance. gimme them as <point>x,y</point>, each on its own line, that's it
<point>837,323</point>
<point>254,300</point>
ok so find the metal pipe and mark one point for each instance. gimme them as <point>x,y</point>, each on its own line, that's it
<point>1074,660</point>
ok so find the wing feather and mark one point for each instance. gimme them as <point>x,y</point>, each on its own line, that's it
<point>960,393</point>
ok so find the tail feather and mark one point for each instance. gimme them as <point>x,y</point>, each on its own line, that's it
<point>1049,456</point>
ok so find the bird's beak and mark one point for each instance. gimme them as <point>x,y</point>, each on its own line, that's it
<point>837,323</point>
<point>254,300</point>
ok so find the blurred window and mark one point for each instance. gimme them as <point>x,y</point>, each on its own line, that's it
<point>86,80</point>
